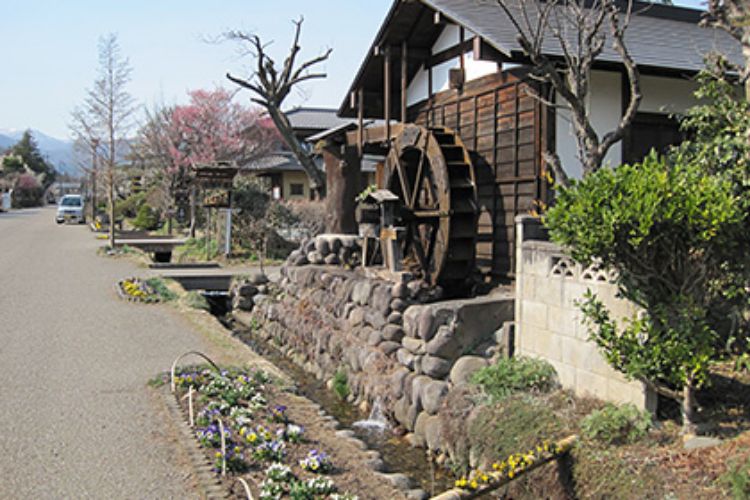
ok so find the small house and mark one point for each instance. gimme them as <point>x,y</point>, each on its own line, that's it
<point>456,68</point>
<point>285,175</point>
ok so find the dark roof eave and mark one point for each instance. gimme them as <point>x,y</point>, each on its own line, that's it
<point>360,73</point>
<point>682,14</point>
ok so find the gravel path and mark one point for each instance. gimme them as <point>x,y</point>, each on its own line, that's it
<point>76,418</point>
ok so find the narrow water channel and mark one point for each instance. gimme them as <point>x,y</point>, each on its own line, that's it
<point>396,453</point>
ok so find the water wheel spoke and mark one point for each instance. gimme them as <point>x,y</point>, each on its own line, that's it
<point>431,173</point>
<point>412,201</point>
<point>419,251</point>
<point>427,213</point>
<point>431,248</point>
<point>404,179</point>
<point>430,183</point>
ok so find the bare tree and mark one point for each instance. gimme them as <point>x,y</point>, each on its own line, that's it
<point>150,148</point>
<point>85,153</point>
<point>576,32</point>
<point>105,115</point>
<point>733,16</point>
<point>271,85</point>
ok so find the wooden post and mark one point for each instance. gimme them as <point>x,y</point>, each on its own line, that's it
<point>462,36</point>
<point>387,92</point>
<point>389,237</point>
<point>208,234</point>
<point>228,233</point>
<point>360,122</point>
<point>430,108</point>
<point>365,245</point>
<point>404,78</point>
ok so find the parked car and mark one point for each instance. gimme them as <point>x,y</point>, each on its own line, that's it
<point>71,209</point>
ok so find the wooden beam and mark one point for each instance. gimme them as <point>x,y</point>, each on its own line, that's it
<point>387,89</point>
<point>374,135</point>
<point>360,121</point>
<point>418,54</point>
<point>461,38</point>
<point>450,53</point>
<point>404,78</point>
<point>483,51</point>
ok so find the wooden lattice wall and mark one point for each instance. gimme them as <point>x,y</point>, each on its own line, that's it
<point>505,128</point>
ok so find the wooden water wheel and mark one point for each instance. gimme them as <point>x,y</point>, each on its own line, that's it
<point>431,172</point>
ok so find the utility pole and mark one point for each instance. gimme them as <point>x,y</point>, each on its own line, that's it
<point>94,147</point>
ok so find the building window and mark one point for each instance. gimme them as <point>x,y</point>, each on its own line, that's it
<point>650,131</point>
<point>296,189</point>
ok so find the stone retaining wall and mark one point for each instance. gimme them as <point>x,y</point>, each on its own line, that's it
<point>549,324</point>
<point>396,343</point>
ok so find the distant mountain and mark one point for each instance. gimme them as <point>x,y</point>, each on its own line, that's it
<point>58,152</point>
<point>6,142</point>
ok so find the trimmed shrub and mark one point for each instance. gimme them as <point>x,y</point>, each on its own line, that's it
<point>671,231</point>
<point>515,374</point>
<point>615,424</point>
<point>147,218</point>
<point>130,206</point>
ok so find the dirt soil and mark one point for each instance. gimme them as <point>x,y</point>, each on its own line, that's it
<point>351,473</point>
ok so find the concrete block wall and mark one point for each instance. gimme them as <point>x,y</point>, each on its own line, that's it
<point>549,324</point>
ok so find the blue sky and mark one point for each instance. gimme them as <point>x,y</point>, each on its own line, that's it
<point>49,48</point>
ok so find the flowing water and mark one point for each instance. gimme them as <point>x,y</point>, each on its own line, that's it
<point>373,429</point>
<point>376,422</point>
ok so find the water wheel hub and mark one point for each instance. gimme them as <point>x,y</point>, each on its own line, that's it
<point>431,172</point>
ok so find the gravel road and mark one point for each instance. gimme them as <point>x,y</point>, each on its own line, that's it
<point>76,417</point>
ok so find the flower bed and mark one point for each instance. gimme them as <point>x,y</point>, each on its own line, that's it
<point>147,291</point>
<point>261,444</point>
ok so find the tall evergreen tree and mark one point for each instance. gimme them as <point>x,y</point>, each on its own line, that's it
<point>28,151</point>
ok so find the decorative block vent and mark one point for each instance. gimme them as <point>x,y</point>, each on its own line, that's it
<point>563,267</point>
<point>598,274</point>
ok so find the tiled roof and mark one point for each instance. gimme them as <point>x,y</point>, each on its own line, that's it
<point>285,161</point>
<point>314,118</point>
<point>662,39</point>
<point>657,37</point>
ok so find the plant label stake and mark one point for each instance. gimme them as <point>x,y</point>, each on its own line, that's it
<point>190,406</point>
<point>223,448</point>
<point>189,397</point>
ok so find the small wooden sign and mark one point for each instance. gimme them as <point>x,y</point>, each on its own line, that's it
<point>217,198</point>
<point>388,234</point>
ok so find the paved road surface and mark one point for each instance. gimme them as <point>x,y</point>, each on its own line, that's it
<point>76,420</point>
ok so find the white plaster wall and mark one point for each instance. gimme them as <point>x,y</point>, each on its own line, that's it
<point>418,88</point>
<point>449,37</point>
<point>667,95</point>
<point>660,95</point>
<point>604,104</point>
